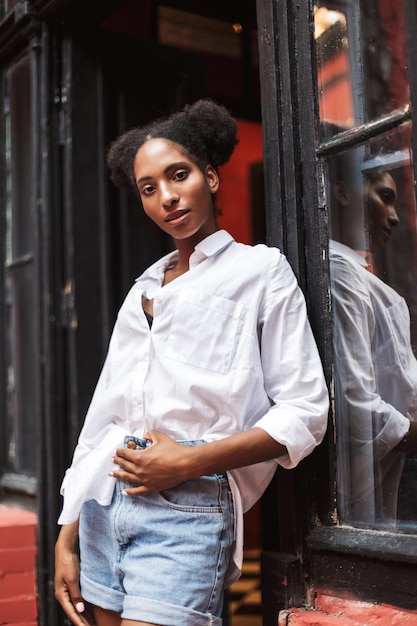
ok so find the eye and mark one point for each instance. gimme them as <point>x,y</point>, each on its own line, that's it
<point>387,197</point>
<point>147,190</point>
<point>180,175</point>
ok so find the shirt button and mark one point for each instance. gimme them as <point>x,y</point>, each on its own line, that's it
<point>131,444</point>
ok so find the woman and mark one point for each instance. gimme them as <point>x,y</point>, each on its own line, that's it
<point>211,379</point>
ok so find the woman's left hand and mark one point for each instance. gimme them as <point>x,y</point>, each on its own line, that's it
<point>161,466</point>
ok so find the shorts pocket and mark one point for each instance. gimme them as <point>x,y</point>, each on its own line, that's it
<point>198,495</point>
<point>203,330</point>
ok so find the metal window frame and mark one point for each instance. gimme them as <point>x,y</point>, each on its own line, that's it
<point>297,221</point>
<point>11,480</point>
<point>403,547</point>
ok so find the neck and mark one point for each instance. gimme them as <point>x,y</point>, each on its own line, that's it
<point>187,246</point>
<point>185,250</point>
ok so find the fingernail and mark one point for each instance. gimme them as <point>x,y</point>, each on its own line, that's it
<point>125,493</point>
<point>80,607</point>
<point>111,473</point>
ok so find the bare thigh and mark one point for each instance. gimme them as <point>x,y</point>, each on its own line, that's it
<point>103,617</point>
<point>129,622</point>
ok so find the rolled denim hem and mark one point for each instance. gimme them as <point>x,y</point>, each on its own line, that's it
<point>101,596</point>
<point>165,614</point>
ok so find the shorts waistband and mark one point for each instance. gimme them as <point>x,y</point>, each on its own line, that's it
<point>140,443</point>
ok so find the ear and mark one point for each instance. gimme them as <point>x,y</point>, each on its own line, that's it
<point>212,179</point>
<point>339,189</point>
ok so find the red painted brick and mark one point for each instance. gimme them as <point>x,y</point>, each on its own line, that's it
<point>374,613</point>
<point>18,609</point>
<point>22,583</point>
<point>18,603</point>
<point>17,537</point>
<point>10,516</point>
<point>17,528</point>
<point>333,611</point>
<point>17,559</point>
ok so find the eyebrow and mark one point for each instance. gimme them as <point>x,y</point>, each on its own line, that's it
<point>167,170</point>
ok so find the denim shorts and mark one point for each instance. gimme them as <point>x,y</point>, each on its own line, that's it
<point>161,557</point>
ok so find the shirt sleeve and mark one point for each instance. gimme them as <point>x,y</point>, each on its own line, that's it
<point>293,373</point>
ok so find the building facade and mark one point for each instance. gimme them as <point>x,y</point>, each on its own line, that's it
<point>325,93</point>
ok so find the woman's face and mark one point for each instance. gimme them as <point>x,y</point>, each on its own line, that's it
<point>175,193</point>
<point>381,216</point>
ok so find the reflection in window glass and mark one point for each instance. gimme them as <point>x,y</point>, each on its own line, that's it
<point>373,248</point>
<point>334,76</point>
<point>361,60</point>
<point>384,57</point>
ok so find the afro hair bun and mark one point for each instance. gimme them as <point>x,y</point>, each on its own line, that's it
<point>205,129</point>
<point>216,128</point>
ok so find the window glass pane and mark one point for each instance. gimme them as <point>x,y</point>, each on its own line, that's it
<point>361,59</point>
<point>334,73</point>
<point>373,265</point>
<point>20,279</point>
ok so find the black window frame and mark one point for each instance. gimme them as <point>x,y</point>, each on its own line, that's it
<point>20,39</point>
<point>294,173</point>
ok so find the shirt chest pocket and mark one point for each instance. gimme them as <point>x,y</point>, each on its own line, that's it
<point>203,331</point>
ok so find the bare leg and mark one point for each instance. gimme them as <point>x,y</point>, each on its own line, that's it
<point>103,617</point>
<point>131,622</point>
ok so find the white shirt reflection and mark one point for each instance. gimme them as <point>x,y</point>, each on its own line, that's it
<point>375,387</point>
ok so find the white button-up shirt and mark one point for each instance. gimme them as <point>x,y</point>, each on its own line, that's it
<point>230,348</point>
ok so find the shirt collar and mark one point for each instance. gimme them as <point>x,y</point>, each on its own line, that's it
<point>336,246</point>
<point>210,246</point>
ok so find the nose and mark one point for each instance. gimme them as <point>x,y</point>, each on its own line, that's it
<point>393,218</point>
<point>169,196</point>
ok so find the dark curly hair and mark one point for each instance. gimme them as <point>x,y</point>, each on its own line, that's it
<point>205,129</point>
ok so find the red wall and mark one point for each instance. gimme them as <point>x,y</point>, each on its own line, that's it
<point>234,195</point>
<point>18,597</point>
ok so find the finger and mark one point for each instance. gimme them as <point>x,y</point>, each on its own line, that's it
<point>137,491</point>
<point>78,605</point>
<point>155,436</point>
<point>127,474</point>
<point>129,477</point>
<point>75,596</point>
<point>73,612</point>
<point>125,454</point>
<point>77,618</point>
<point>83,619</point>
<point>121,461</point>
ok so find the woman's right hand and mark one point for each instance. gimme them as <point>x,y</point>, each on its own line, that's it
<point>67,575</point>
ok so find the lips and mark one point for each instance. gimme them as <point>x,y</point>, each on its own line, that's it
<point>176,216</point>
